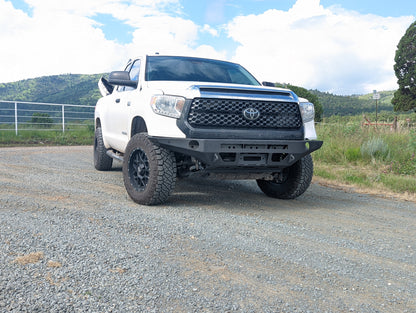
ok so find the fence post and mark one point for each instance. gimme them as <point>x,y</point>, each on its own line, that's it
<point>395,124</point>
<point>15,117</point>
<point>63,118</point>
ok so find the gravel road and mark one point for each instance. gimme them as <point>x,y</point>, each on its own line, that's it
<point>72,241</point>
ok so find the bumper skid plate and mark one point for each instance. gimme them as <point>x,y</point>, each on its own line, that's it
<point>226,153</point>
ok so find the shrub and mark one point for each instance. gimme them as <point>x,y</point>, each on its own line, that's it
<point>405,167</point>
<point>42,120</point>
<point>412,141</point>
<point>375,148</point>
<point>352,154</point>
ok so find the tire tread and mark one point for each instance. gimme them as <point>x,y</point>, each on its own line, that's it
<point>300,177</point>
<point>162,171</point>
<point>102,161</point>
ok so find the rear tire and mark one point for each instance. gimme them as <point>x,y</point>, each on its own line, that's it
<point>102,161</point>
<point>294,181</point>
<point>149,171</point>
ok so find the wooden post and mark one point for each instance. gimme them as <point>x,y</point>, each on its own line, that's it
<point>395,124</point>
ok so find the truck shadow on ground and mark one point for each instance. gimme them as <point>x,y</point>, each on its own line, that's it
<point>204,191</point>
<point>244,194</point>
<point>222,194</point>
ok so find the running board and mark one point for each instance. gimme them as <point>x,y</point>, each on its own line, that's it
<point>115,155</point>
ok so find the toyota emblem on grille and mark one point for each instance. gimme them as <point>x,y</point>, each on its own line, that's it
<point>251,114</point>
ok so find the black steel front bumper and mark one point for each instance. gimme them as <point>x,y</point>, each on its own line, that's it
<point>261,155</point>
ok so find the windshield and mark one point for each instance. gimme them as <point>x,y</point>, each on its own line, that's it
<point>196,69</point>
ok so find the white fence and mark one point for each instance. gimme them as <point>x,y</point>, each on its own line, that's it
<point>19,116</point>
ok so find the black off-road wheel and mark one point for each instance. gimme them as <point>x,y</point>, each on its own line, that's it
<point>102,161</point>
<point>149,171</point>
<point>293,181</point>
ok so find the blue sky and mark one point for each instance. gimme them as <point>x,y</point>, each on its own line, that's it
<point>344,47</point>
<point>378,7</point>
<point>219,12</point>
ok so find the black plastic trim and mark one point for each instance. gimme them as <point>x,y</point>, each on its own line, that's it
<point>222,133</point>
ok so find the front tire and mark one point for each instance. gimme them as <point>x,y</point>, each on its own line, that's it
<point>149,171</point>
<point>293,182</point>
<point>102,161</point>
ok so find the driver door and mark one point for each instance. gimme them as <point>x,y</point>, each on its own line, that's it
<point>119,108</point>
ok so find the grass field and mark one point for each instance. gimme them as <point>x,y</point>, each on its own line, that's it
<point>367,156</point>
<point>74,135</point>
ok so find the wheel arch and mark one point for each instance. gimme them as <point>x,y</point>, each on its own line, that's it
<point>104,138</point>
<point>138,125</point>
<point>97,122</point>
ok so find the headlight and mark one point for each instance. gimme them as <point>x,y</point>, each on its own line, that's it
<point>168,105</point>
<point>307,110</point>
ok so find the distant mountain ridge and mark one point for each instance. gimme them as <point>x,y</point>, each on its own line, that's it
<point>355,104</point>
<point>82,90</point>
<point>76,89</point>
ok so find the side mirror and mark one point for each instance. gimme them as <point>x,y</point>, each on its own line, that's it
<point>105,87</point>
<point>121,78</point>
<point>268,84</point>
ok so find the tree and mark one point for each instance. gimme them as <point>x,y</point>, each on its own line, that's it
<point>405,68</point>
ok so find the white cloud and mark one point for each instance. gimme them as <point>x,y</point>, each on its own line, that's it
<point>208,29</point>
<point>309,45</point>
<point>163,34</point>
<point>62,37</point>
<point>52,41</point>
<point>316,47</point>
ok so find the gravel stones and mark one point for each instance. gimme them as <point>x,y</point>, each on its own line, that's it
<point>71,240</point>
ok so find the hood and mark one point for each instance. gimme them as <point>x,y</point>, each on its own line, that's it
<point>220,90</point>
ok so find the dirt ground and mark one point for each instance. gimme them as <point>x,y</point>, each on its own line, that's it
<point>218,245</point>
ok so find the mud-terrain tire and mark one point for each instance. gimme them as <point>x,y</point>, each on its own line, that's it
<point>294,182</point>
<point>102,161</point>
<point>149,171</point>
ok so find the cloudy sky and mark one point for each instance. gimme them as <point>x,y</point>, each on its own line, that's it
<point>339,46</point>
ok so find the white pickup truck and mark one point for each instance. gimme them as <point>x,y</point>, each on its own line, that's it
<point>171,116</point>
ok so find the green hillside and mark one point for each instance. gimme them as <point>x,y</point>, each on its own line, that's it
<point>353,105</point>
<point>68,89</point>
<point>82,90</point>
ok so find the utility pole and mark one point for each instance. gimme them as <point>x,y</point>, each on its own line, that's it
<point>376,96</point>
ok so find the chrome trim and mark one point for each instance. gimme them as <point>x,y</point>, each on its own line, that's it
<point>244,92</point>
<point>251,114</point>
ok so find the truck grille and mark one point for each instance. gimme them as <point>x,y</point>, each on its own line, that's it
<point>229,113</point>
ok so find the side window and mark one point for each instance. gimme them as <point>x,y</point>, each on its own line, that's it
<point>134,73</point>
